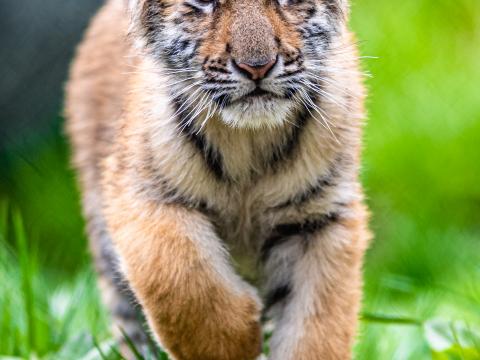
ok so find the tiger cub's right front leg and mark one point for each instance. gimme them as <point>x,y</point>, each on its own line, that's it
<point>194,302</point>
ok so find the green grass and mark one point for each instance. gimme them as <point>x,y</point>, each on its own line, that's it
<point>421,173</point>
<point>44,318</point>
<point>40,313</point>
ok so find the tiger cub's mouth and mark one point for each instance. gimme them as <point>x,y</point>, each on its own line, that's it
<point>259,92</point>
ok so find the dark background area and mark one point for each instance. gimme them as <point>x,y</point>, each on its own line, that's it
<point>37,42</point>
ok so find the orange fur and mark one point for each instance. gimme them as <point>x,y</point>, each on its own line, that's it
<point>195,315</point>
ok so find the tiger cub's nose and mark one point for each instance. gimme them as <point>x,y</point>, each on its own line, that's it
<point>256,70</point>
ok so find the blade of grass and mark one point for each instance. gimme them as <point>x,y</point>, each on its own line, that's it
<point>131,345</point>
<point>392,320</point>
<point>117,353</point>
<point>457,340</point>
<point>154,349</point>
<point>73,307</point>
<point>473,338</point>
<point>3,220</point>
<point>26,270</point>
<point>99,349</point>
<point>6,322</point>
<point>163,356</point>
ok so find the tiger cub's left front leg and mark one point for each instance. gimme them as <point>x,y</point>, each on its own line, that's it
<point>314,284</point>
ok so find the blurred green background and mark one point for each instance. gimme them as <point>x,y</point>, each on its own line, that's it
<point>421,171</point>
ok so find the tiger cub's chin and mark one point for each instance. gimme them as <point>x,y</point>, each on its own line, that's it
<point>257,113</point>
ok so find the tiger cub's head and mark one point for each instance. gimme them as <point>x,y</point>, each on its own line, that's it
<point>253,62</point>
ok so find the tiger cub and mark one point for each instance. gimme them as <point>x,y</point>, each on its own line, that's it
<point>217,144</point>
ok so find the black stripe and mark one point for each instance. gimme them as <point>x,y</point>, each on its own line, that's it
<point>289,73</point>
<point>169,193</point>
<point>172,196</point>
<point>333,7</point>
<point>194,10</point>
<point>287,148</point>
<point>317,32</point>
<point>297,59</point>
<point>176,48</point>
<point>212,157</point>
<point>183,44</point>
<point>277,295</point>
<point>217,69</point>
<point>311,12</point>
<point>317,189</point>
<point>283,232</point>
<point>304,196</point>
<point>222,100</point>
<point>152,19</point>
<point>290,93</point>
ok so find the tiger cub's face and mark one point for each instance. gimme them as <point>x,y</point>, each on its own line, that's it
<point>254,62</point>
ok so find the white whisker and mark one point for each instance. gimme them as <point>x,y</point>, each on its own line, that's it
<point>307,101</point>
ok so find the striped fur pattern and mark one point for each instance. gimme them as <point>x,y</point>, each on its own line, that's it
<point>215,199</point>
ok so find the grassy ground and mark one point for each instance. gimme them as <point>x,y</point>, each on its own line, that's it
<point>421,172</point>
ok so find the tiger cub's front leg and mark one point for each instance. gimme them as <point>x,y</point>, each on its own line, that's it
<point>194,302</point>
<point>313,288</point>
